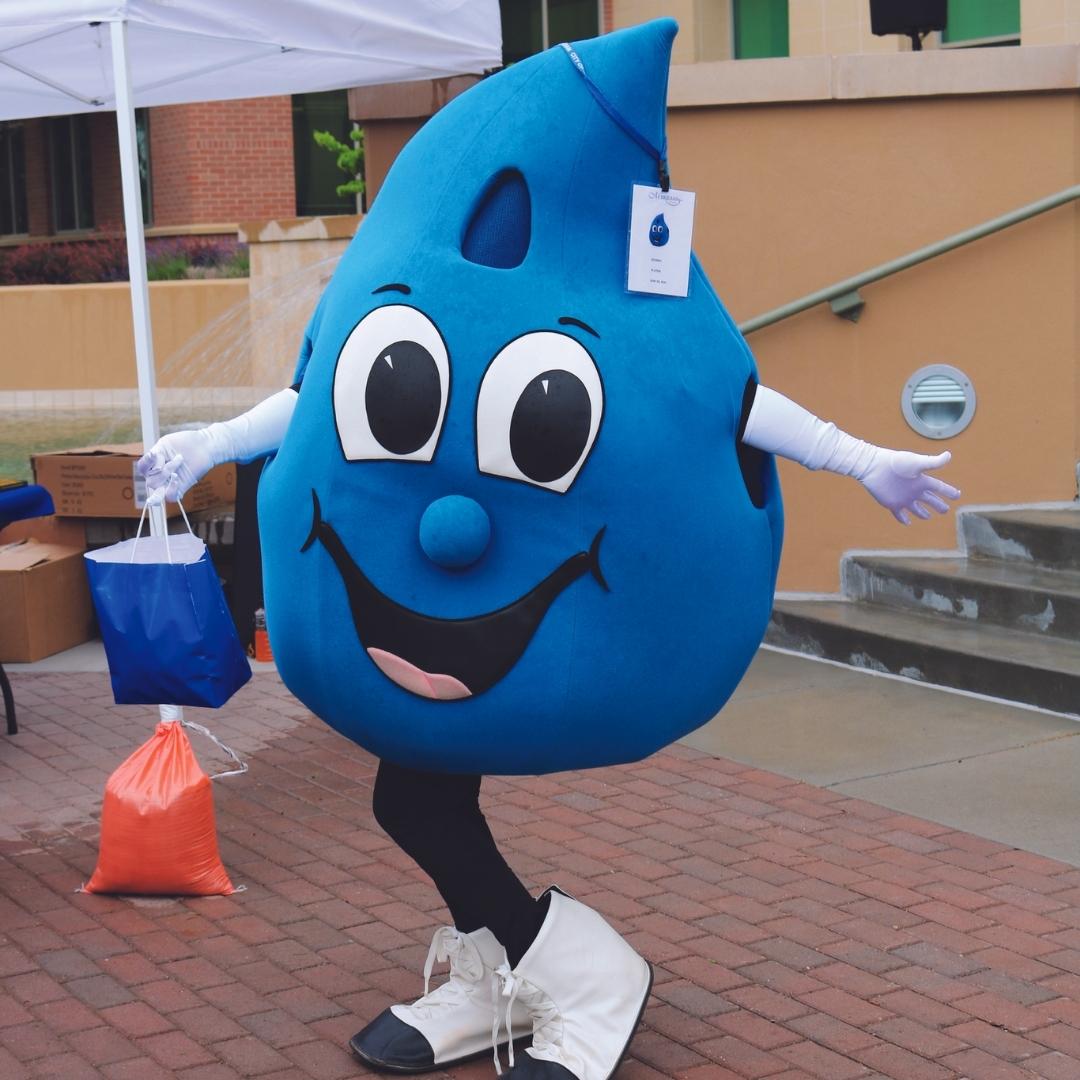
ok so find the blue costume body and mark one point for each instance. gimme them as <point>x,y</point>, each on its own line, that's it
<point>511,528</point>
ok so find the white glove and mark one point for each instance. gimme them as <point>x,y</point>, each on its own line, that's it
<point>896,478</point>
<point>177,462</point>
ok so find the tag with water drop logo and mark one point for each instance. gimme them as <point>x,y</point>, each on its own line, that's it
<point>658,231</point>
<point>661,230</point>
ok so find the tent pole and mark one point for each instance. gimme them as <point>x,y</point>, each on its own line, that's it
<point>136,250</point>
<point>133,228</point>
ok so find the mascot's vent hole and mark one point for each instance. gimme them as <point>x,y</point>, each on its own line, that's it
<point>752,461</point>
<point>501,226</point>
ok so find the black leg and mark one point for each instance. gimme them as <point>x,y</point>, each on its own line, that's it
<point>436,819</point>
<point>9,702</point>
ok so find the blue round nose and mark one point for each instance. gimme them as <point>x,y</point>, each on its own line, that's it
<point>454,531</point>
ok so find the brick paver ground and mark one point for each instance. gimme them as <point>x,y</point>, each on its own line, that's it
<point>795,932</point>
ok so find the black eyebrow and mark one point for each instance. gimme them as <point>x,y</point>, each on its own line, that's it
<point>394,286</point>
<point>566,320</point>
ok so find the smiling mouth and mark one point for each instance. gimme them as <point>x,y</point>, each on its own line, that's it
<point>446,659</point>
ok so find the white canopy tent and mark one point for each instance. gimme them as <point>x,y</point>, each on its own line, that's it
<point>55,54</point>
<point>77,56</point>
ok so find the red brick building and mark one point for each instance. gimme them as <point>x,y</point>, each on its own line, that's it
<point>204,166</point>
<point>222,161</point>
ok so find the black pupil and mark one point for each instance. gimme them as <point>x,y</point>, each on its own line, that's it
<point>403,397</point>
<point>550,426</point>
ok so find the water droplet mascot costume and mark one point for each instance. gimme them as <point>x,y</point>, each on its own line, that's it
<point>513,524</point>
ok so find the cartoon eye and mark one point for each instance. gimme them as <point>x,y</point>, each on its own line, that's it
<point>539,410</point>
<point>391,387</point>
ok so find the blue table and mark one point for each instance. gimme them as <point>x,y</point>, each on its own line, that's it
<point>16,504</point>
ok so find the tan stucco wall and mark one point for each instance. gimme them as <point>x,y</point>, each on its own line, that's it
<point>836,26</point>
<point>79,337</point>
<point>209,335</point>
<point>794,196</point>
<point>383,140</point>
<point>292,261</point>
<point>631,12</point>
<point>1049,22</point>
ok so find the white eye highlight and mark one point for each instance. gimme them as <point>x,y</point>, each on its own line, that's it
<point>391,386</point>
<point>538,411</point>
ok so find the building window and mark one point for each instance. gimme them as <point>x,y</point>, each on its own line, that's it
<point>142,142</point>
<point>530,26</point>
<point>317,174</point>
<point>69,173</point>
<point>13,220</point>
<point>761,28</point>
<point>982,22</point>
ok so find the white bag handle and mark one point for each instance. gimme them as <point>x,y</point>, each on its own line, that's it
<point>142,520</point>
<point>175,714</point>
<point>243,768</point>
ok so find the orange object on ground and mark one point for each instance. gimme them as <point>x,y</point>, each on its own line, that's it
<point>263,651</point>
<point>158,835</point>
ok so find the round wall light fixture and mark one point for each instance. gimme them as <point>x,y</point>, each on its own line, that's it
<point>938,401</point>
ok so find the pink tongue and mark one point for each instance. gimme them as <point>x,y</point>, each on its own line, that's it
<point>409,676</point>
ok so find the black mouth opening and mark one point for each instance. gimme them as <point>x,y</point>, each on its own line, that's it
<point>478,650</point>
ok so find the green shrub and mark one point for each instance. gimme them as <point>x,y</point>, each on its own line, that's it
<point>350,159</point>
<point>168,268</point>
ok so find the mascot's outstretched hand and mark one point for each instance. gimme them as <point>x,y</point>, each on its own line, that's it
<point>177,462</point>
<point>896,478</point>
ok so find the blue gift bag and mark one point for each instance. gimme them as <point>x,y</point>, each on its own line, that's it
<point>168,635</point>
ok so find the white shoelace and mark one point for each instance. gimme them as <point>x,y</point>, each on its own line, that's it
<point>546,1033</point>
<point>503,982</point>
<point>448,944</point>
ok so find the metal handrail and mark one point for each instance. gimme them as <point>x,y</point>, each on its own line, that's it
<point>843,295</point>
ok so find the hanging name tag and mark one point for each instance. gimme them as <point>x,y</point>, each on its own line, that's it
<point>661,232</point>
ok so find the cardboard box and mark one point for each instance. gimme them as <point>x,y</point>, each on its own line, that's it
<point>100,481</point>
<point>45,600</point>
<point>70,532</point>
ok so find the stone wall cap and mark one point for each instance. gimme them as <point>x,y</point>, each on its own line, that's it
<point>853,77</point>
<point>278,230</point>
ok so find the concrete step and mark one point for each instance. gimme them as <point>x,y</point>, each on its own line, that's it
<point>1012,594</point>
<point>973,656</point>
<point>1044,537</point>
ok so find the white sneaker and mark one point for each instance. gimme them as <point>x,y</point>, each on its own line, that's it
<point>584,988</point>
<point>450,1023</point>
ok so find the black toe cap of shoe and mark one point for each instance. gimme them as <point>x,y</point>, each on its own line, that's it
<point>527,1067</point>
<point>390,1044</point>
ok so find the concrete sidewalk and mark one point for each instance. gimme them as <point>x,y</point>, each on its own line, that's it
<point>796,931</point>
<point>990,767</point>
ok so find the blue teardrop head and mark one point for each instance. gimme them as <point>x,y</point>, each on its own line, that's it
<point>658,231</point>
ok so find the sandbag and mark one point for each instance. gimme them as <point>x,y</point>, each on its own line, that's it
<point>158,836</point>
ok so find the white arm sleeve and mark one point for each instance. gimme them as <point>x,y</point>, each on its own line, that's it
<point>177,462</point>
<point>258,431</point>
<point>896,478</point>
<point>778,425</point>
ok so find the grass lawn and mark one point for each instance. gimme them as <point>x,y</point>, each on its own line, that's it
<point>27,432</point>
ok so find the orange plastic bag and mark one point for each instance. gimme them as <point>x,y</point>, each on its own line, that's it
<point>157,824</point>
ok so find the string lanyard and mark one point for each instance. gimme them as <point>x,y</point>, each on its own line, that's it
<point>659,155</point>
